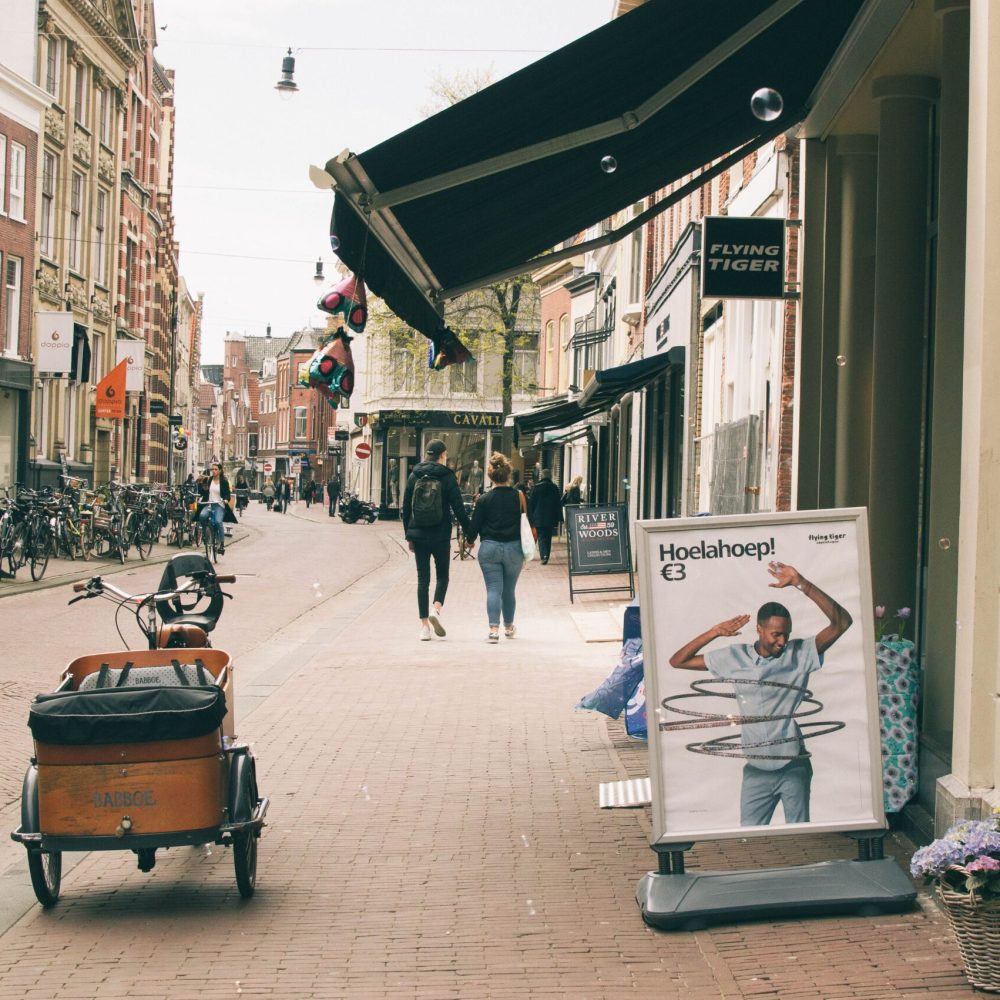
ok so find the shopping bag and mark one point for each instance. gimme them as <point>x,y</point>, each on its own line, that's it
<point>527,539</point>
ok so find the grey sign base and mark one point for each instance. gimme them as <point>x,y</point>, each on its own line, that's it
<point>693,900</point>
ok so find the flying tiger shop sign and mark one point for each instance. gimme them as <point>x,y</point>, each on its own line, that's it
<point>598,543</point>
<point>743,258</point>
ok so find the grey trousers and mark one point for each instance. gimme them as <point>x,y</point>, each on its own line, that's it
<point>763,790</point>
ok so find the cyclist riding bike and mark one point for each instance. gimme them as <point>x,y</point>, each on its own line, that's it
<point>215,496</point>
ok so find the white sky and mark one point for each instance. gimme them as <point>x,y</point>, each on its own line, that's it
<point>249,222</point>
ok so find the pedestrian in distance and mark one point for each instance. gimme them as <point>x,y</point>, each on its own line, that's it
<point>573,494</point>
<point>307,493</point>
<point>333,493</point>
<point>496,522</point>
<point>545,512</point>
<point>777,767</point>
<point>430,498</point>
<point>268,494</point>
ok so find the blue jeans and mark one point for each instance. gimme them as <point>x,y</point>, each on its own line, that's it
<point>213,511</point>
<point>501,563</point>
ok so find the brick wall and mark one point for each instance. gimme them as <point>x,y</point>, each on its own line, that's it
<point>17,239</point>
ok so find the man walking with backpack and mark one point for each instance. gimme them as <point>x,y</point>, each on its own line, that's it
<point>431,495</point>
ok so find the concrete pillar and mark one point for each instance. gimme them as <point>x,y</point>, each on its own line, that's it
<point>858,185</point>
<point>976,648</point>
<point>944,471</point>
<point>900,329</point>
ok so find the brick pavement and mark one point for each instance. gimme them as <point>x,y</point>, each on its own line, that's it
<point>434,832</point>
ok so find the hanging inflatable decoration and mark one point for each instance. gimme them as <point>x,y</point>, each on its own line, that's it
<point>447,349</point>
<point>331,369</point>
<point>347,299</point>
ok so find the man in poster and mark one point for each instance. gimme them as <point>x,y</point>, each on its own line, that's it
<point>770,678</point>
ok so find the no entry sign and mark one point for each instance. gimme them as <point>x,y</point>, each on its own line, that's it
<point>363,450</point>
<point>268,467</point>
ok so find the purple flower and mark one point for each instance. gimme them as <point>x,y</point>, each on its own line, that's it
<point>986,864</point>
<point>904,613</point>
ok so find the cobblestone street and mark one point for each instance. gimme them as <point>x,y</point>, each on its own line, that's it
<point>434,828</point>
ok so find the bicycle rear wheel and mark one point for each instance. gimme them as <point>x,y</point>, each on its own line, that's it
<point>40,548</point>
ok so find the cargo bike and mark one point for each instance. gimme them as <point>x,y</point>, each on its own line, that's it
<point>137,750</point>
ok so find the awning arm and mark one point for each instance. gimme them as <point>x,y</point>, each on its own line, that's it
<point>593,133</point>
<point>356,187</point>
<point>629,227</point>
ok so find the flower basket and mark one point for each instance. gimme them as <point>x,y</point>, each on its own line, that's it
<point>976,923</point>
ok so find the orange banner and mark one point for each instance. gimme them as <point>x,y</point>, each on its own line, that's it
<point>111,393</point>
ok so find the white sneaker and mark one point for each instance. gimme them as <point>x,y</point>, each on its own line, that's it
<point>435,619</point>
<point>509,631</point>
<point>494,636</point>
<point>425,633</point>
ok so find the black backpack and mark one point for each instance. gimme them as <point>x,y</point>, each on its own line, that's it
<point>427,508</point>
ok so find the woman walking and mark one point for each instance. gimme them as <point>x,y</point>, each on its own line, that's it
<point>496,521</point>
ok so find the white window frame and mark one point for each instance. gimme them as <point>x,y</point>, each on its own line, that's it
<point>80,94</point>
<point>104,125</point>
<point>17,180</point>
<point>301,417</point>
<point>100,257</point>
<point>52,67</point>
<point>12,302</point>
<point>75,220</point>
<point>464,378</point>
<point>96,357</point>
<point>3,175</point>
<point>47,222</point>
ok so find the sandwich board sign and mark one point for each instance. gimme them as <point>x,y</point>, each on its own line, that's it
<point>598,544</point>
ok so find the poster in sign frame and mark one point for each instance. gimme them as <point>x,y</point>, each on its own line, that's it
<point>598,544</point>
<point>760,675</point>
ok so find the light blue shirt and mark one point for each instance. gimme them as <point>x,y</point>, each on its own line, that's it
<point>797,661</point>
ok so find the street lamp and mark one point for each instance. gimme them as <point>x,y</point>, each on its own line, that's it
<point>286,86</point>
<point>318,277</point>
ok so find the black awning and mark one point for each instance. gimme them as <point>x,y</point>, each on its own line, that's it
<point>609,385</point>
<point>605,389</point>
<point>512,171</point>
<point>549,418</point>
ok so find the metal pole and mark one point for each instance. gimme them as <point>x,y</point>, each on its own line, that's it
<point>170,403</point>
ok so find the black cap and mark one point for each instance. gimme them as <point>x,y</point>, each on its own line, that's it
<point>436,447</point>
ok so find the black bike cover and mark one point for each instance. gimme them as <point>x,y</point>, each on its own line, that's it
<point>126,715</point>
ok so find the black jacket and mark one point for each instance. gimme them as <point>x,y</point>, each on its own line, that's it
<point>545,505</point>
<point>228,517</point>
<point>497,517</point>
<point>451,495</point>
<point>572,495</point>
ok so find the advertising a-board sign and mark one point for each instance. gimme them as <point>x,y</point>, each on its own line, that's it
<point>759,659</point>
<point>598,538</point>
<point>598,543</point>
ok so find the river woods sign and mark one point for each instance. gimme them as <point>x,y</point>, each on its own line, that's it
<point>598,543</point>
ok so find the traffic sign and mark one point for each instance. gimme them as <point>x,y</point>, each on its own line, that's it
<point>268,467</point>
<point>363,450</point>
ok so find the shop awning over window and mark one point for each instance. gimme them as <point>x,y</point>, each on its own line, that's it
<point>603,391</point>
<point>476,191</point>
